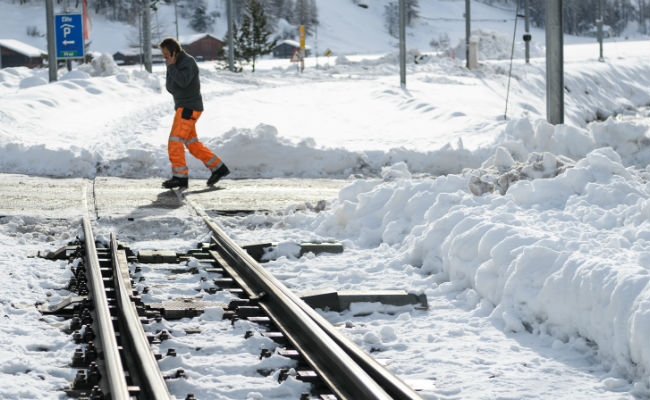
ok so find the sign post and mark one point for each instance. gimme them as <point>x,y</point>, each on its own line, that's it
<point>302,48</point>
<point>69,36</point>
<point>51,46</point>
<point>328,53</point>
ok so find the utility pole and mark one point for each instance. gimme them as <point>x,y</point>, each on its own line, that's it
<point>554,63</point>
<point>599,23</point>
<point>51,40</point>
<point>231,50</point>
<point>642,16</point>
<point>402,43</point>
<point>146,35</point>
<point>315,44</point>
<point>176,17</point>
<point>468,32</point>
<point>527,35</point>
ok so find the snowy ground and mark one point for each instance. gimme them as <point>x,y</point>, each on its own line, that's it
<point>531,242</point>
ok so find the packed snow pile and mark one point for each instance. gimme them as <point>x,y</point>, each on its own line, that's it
<point>103,65</point>
<point>631,140</point>
<point>500,171</point>
<point>493,45</point>
<point>262,153</point>
<point>535,151</point>
<point>567,256</point>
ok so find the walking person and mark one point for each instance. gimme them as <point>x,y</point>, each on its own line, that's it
<point>183,83</point>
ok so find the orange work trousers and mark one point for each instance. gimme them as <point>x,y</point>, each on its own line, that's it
<point>183,135</point>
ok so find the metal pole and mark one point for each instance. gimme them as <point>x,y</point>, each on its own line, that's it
<point>51,40</point>
<point>599,23</point>
<point>641,15</point>
<point>554,63</point>
<point>402,42</point>
<point>176,17</point>
<point>315,44</point>
<point>527,23</point>
<point>231,50</point>
<point>468,32</point>
<point>146,33</point>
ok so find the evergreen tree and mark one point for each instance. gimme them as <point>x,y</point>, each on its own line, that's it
<point>287,11</point>
<point>412,12</point>
<point>391,18</point>
<point>201,21</point>
<point>391,15</point>
<point>580,15</point>
<point>305,12</point>
<point>252,40</point>
<point>301,12</point>
<point>276,8</point>
<point>313,11</point>
<point>237,7</point>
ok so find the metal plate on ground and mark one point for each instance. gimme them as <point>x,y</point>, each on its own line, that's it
<point>341,300</point>
<point>184,308</point>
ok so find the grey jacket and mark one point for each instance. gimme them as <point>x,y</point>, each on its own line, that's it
<point>183,83</point>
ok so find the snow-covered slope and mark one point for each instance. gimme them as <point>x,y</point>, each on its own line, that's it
<point>531,241</point>
<point>344,27</point>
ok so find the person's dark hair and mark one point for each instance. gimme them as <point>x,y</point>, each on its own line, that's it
<point>171,45</point>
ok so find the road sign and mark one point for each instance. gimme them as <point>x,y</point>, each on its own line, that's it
<point>302,37</point>
<point>69,36</point>
<point>296,56</point>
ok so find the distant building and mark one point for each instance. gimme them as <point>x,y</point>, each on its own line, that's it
<point>202,46</point>
<point>14,53</point>
<point>286,48</point>
<point>133,56</point>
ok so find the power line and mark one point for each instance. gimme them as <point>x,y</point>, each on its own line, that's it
<point>463,19</point>
<point>512,55</point>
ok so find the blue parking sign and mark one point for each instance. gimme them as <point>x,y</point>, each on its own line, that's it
<point>69,36</point>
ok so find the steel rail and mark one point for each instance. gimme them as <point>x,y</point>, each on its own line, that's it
<point>151,381</point>
<point>116,377</point>
<point>347,370</point>
<point>394,386</point>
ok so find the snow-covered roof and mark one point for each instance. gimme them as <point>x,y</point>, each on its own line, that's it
<point>189,39</point>
<point>22,48</point>
<point>292,43</point>
<point>134,51</point>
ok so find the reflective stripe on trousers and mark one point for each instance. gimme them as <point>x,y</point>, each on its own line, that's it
<point>183,134</point>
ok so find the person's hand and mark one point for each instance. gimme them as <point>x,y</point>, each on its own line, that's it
<point>171,59</point>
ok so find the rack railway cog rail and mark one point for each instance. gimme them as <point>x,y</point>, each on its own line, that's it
<point>346,369</point>
<point>123,366</point>
<point>131,369</point>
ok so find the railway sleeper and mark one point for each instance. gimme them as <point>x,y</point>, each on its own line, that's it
<point>249,311</point>
<point>246,307</point>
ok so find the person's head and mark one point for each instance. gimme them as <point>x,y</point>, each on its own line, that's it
<point>170,47</point>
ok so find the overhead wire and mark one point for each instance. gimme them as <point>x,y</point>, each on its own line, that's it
<point>463,19</point>
<point>512,54</point>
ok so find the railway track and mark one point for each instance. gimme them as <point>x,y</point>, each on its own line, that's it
<point>115,359</point>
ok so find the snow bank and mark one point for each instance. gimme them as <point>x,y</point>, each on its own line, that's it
<point>129,138</point>
<point>493,45</point>
<point>567,256</point>
<point>525,149</point>
<point>631,140</point>
<point>104,65</point>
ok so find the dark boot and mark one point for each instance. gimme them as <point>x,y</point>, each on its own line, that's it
<point>175,182</point>
<point>218,174</point>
